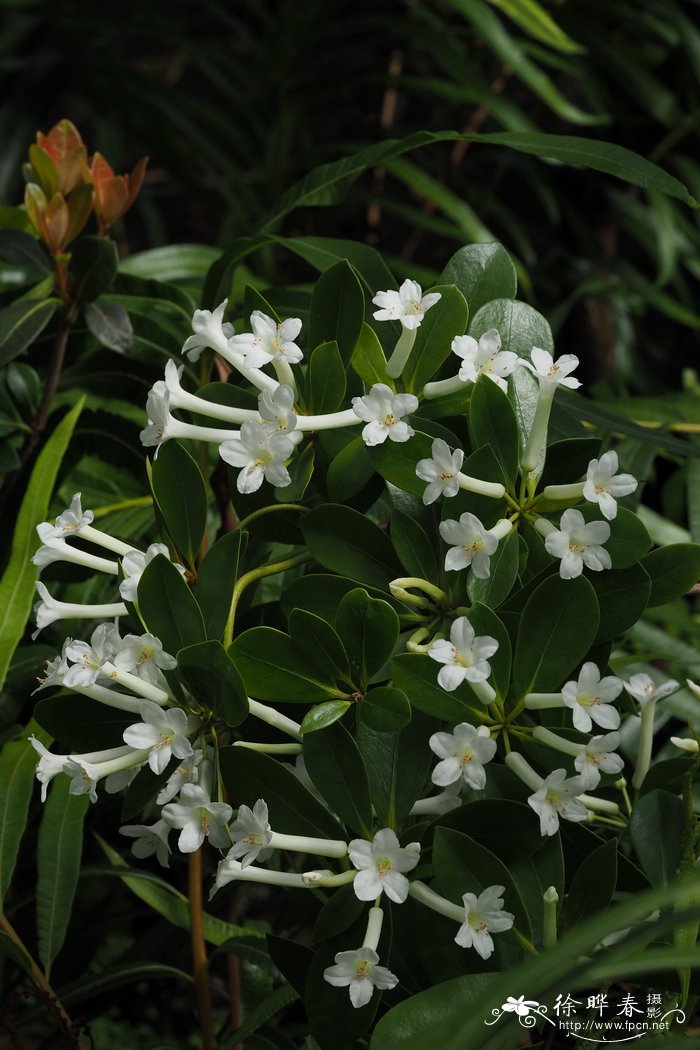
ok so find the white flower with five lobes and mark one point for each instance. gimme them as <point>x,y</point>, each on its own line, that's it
<point>358,970</point>
<point>149,839</point>
<point>471,543</point>
<point>133,566</point>
<point>88,660</point>
<point>186,773</point>
<point>644,689</point>
<point>69,521</point>
<point>268,341</point>
<point>441,471</point>
<point>408,305</point>
<point>598,756</point>
<point>162,733</point>
<point>484,357</point>
<point>552,373</point>
<point>465,656</point>
<point>589,699</point>
<point>484,915</point>
<point>276,409</point>
<point>604,486</point>
<point>383,410</point>
<point>579,543</point>
<point>210,330</point>
<point>143,655</point>
<point>251,834</point>
<point>464,754</point>
<point>557,797</point>
<point>261,454</point>
<point>198,818</point>
<point>381,864</point>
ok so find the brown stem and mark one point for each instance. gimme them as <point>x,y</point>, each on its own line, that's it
<point>234,981</point>
<point>199,951</point>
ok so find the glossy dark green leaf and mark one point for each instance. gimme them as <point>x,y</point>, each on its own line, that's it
<point>396,461</point>
<point>178,487</point>
<point>369,628</point>
<point>416,674</point>
<point>274,668</point>
<point>349,471</point>
<point>593,884</point>
<point>385,709</point>
<point>318,642</point>
<point>482,272</point>
<point>326,378</point>
<point>213,680</point>
<point>93,267</point>
<point>168,607</point>
<point>335,765</point>
<point>291,959</point>
<point>254,300</point>
<point>216,578</point>
<point>368,358</point>
<point>673,569</point>
<point>629,540</point>
<point>503,826</point>
<point>568,460</point>
<point>416,1017</point>
<point>22,249</point>
<point>341,910</point>
<point>321,594</point>
<point>504,572</point>
<point>623,595</point>
<point>110,324</point>
<point>414,548</point>
<point>398,766</point>
<point>441,323</point>
<point>345,541</point>
<point>18,761</point>
<point>325,714</point>
<point>21,323</point>
<point>337,309</point>
<point>492,422</point>
<point>518,324</point>
<point>486,623</point>
<point>657,829</point>
<point>79,724</point>
<point>300,471</point>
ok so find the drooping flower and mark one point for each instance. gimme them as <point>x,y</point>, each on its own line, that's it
<point>210,330</point>
<point>472,545</point>
<point>198,818</point>
<point>464,754</point>
<point>276,409</point>
<point>383,410</point>
<point>440,472</point>
<point>484,357</point>
<point>604,486</point>
<point>557,798</point>
<point>133,565</point>
<point>268,341</point>
<point>578,543</point>
<point>150,839</point>
<point>186,773</point>
<point>551,372</point>
<point>88,660</point>
<point>55,670</point>
<point>48,767</point>
<point>143,655</point>
<point>597,756</point>
<point>408,305</point>
<point>484,915</point>
<point>251,834</point>
<point>380,865</point>
<point>83,775</point>
<point>158,413</point>
<point>359,971</point>
<point>163,732</point>
<point>589,699</point>
<point>644,689</point>
<point>56,548</point>
<point>261,455</point>
<point>49,609</point>
<point>465,656</point>
<point>70,520</point>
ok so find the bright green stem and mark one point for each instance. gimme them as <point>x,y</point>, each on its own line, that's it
<point>244,522</point>
<point>252,577</point>
<point>550,899</point>
<point>402,352</point>
<point>646,742</point>
<point>538,434</point>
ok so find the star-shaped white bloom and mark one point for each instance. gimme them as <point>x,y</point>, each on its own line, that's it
<point>262,456</point>
<point>48,767</point>
<point>251,834</point>
<point>276,409</point>
<point>465,656</point>
<point>464,754</point>
<point>597,756</point>
<point>440,472</point>
<point>578,543</point>
<point>590,699</point>
<point>484,915</point>
<point>209,329</point>
<point>472,545</point>
<point>380,865</point>
<point>163,733</point>
<point>69,521</point>
<point>557,798</point>
<point>186,773</point>
<point>551,372</point>
<point>604,486</point>
<point>358,971</point>
<point>150,839</point>
<point>143,656</point>
<point>198,818</point>
<point>383,411</point>
<point>88,660</point>
<point>133,565</point>
<point>408,305</point>
<point>158,413</point>
<point>484,358</point>
<point>643,688</point>
<point>268,341</point>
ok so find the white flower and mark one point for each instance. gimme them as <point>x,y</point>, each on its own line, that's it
<point>251,834</point>
<point>143,655</point>
<point>383,410</point>
<point>72,519</point>
<point>520,1006</point>
<point>55,548</point>
<point>359,971</point>
<point>133,565</point>
<point>551,372</point>
<point>262,456</point>
<point>643,688</point>
<point>473,545</point>
<point>83,775</point>
<point>185,773</point>
<point>268,340</point>
<point>604,487</point>
<point>484,358</point>
<point>48,610</point>
<point>380,864</point>
<point>198,818</point>
<point>441,471</point>
<point>163,732</point>
<point>484,915</point>
<point>208,329</point>
<point>408,305</point>
<point>465,656</point>
<point>55,670</point>
<point>276,409</point>
<point>579,544</point>
<point>596,756</point>
<point>149,840</point>
<point>48,767</point>
<point>557,798</point>
<point>686,743</point>
<point>89,659</point>
<point>589,699</point>
<point>158,413</point>
<point>464,754</point>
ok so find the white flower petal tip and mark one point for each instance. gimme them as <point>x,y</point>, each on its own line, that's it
<point>408,305</point>
<point>578,543</point>
<point>465,656</point>
<point>604,486</point>
<point>557,797</point>
<point>484,357</point>
<point>463,754</point>
<point>359,972</point>
<point>440,471</point>
<point>589,699</point>
<point>484,916</point>
<point>644,689</point>
<point>268,341</point>
<point>383,411</point>
<point>380,865</point>
<point>261,453</point>
<point>471,546</point>
<point>552,373</point>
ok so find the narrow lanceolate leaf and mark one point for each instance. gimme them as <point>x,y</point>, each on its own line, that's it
<point>21,323</point>
<point>59,848</point>
<point>178,487</point>
<point>17,764</point>
<point>17,583</point>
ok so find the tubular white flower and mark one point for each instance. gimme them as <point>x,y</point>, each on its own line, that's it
<point>644,689</point>
<point>143,655</point>
<point>465,657</point>
<point>48,610</point>
<point>472,546</point>
<point>233,871</point>
<point>210,330</point>
<point>276,410</point>
<point>55,670</point>
<point>483,915</point>
<point>686,743</point>
<point>251,834</point>
<point>597,756</point>
<point>578,543</point>
<point>380,865</point>
<point>261,455</point>
<point>441,472</point>
<point>150,839</point>
<point>408,305</point>
<point>268,341</point>
<point>198,818</point>
<point>181,398</point>
<point>273,717</point>
<point>163,426</point>
<point>464,754</point>
<point>85,771</point>
<point>69,521</point>
<point>557,798</point>
<point>49,765</point>
<point>382,410</point>
<point>162,733</point>
<point>484,357</point>
<point>133,566</point>
<point>438,804</point>
<point>358,970</point>
<point>589,699</point>
<point>88,660</point>
<point>604,486</point>
<point>186,773</point>
<point>55,548</point>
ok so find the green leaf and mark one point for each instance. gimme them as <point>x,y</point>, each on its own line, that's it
<point>301,471</point>
<point>369,628</point>
<point>110,324</point>
<point>519,326</point>
<point>319,644</point>
<point>18,761</point>
<point>385,709</point>
<point>485,622</point>
<point>249,775</point>
<point>593,884</point>
<point>93,267</point>
<point>216,579</point>
<point>557,628</point>
<point>342,909</point>
<point>396,461</point>
<point>326,378</point>
<point>176,262</point>
<point>321,594</point>
<point>335,766</point>
<point>657,828</point>
<point>398,766</point>
<point>350,471</point>
<point>417,1017</point>
<point>256,1018</point>
<point>533,18</point>
<point>416,674</point>
<point>482,272</point>
<point>337,309</point>
<point>22,249</point>
<point>17,582</point>
<point>492,422</point>
<point>79,724</point>
<point>567,460</point>
<point>59,848</point>
<point>629,540</point>
<point>273,668</point>
<point>213,680</point>
<point>504,572</point>
<point>413,547</point>
<point>21,324</point>
<point>443,321</point>
<point>673,569</point>
<point>178,487</point>
<point>325,714</point>
<point>168,607</point>
<point>368,358</point>
<point>345,541</point>
<point>623,595</point>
